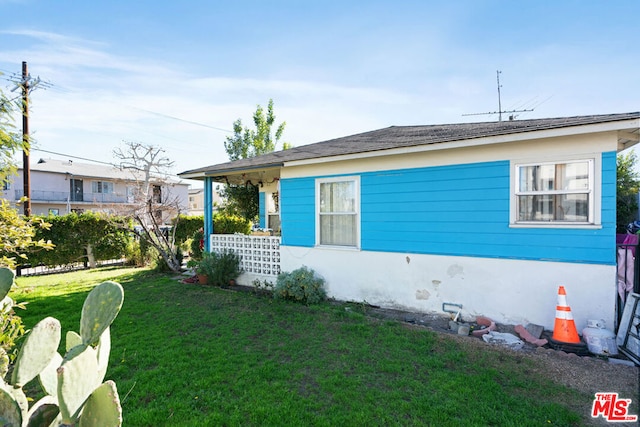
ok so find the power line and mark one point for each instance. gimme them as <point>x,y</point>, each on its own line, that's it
<point>180,120</point>
<point>167,116</point>
<point>73,157</point>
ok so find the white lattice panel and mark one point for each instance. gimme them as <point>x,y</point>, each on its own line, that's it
<point>259,254</point>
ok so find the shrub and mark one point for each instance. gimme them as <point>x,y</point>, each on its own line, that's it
<point>196,244</point>
<point>161,265</point>
<point>185,226</point>
<point>230,224</point>
<point>262,287</point>
<point>302,285</point>
<point>108,236</point>
<point>220,267</point>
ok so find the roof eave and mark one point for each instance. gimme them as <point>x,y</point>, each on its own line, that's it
<point>223,172</point>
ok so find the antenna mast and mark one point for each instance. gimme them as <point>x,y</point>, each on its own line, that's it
<point>499,100</point>
<point>500,111</point>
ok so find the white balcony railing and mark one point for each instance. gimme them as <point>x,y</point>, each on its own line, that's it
<point>260,254</point>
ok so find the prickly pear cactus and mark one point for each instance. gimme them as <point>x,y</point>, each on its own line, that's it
<point>100,309</point>
<point>75,394</point>
<point>37,351</point>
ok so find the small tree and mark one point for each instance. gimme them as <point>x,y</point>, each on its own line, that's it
<point>10,140</point>
<point>17,235</point>
<point>628,185</point>
<point>153,204</point>
<point>242,199</point>
<point>16,232</point>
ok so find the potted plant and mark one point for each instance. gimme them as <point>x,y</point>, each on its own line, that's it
<point>205,267</point>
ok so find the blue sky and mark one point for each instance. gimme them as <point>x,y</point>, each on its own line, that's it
<point>177,74</point>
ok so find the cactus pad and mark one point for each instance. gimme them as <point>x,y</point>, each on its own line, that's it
<point>43,412</point>
<point>104,348</point>
<point>49,376</point>
<point>10,413</point>
<point>100,308</point>
<point>6,281</point>
<point>72,339</point>
<point>77,378</point>
<point>37,351</point>
<point>102,407</point>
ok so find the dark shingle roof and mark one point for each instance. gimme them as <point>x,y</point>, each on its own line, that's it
<point>406,136</point>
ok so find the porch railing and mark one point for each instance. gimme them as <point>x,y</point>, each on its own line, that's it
<point>65,196</point>
<point>260,255</point>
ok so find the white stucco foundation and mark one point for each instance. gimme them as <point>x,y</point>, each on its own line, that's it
<point>507,291</point>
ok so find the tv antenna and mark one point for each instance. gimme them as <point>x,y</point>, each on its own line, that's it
<point>500,111</point>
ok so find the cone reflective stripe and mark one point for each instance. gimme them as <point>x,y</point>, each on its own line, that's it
<point>564,329</point>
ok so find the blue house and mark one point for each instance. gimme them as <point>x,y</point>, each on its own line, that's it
<point>493,216</point>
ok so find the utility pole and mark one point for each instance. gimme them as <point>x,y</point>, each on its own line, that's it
<point>26,85</point>
<point>26,169</point>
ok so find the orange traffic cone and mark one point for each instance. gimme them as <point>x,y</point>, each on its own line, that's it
<point>564,329</point>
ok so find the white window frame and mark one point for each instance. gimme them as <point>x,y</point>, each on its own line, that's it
<point>593,191</point>
<point>356,180</point>
<point>99,187</point>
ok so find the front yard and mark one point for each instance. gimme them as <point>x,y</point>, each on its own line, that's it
<point>189,355</point>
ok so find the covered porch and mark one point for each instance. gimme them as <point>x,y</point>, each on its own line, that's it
<point>260,251</point>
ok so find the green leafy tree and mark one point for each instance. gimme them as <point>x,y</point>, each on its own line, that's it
<point>10,140</point>
<point>628,185</point>
<point>242,199</point>
<point>16,235</point>
<point>16,232</point>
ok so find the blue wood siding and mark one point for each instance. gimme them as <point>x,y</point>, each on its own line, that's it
<point>460,210</point>
<point>297,211</point>
<point>262,209</point>
<point>609,182</point>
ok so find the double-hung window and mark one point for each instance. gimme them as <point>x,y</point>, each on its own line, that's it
<point>338,211</point>
<point>555,192</point>
<point>103,187</point>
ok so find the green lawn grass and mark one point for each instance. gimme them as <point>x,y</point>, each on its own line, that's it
<point>190,355</point>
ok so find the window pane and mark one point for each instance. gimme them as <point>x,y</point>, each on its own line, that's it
<point>337,196</point>
<point>562,176</point>
<point>338,230</point>
<point>559,207</point>
<point>574,207</point>
<point>573,176</point>
<point>537,178</point>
